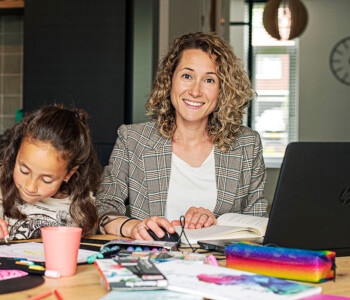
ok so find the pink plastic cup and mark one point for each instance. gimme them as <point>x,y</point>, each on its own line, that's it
<point>61,245</point>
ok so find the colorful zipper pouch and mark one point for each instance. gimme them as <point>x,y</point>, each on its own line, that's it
<point>287,263</point>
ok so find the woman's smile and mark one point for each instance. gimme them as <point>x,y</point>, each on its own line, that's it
<point>194,104</point>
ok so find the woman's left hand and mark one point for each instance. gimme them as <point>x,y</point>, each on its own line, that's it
<point>196,218</point>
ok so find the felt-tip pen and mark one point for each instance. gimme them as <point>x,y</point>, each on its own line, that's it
<point>46,273</point>
<point>6,239</point>
<point>12,263</point>
<point>106,251</point>
<point>39,271</point>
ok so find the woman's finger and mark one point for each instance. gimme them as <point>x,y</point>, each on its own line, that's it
<point>203,218</point>
<point>189,216</point>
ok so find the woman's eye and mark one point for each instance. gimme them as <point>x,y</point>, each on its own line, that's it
<point>186,76</point>
<point>210,80</point>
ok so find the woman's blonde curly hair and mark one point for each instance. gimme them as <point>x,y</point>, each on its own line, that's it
<point>234,95</point>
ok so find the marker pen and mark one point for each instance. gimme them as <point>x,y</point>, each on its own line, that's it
<point>6,238</point>
<point>29,267</point>
<point>211,260</point>
<point>107,252</point>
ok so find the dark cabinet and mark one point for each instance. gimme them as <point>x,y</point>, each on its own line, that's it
<point>75,54</point>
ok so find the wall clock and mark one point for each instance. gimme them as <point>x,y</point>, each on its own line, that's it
<point>339,60</point>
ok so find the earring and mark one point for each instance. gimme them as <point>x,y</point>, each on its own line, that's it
<point>66,181</point>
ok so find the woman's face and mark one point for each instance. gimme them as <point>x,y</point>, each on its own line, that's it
<point>195,87</point>
<point>39,170</point>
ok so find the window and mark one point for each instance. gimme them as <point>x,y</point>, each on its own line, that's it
<point>274,78</point>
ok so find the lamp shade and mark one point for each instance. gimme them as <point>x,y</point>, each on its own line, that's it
<point>285,19</point>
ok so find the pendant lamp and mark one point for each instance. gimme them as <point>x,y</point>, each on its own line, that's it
<point>284,19</point>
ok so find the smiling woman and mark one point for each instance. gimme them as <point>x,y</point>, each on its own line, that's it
<point>195,159</point>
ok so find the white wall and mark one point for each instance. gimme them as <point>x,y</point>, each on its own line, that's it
<point>324,102</point>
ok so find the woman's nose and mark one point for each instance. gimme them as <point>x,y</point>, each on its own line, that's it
<point>195,90</point>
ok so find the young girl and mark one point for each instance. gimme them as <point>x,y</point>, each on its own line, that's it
<point>48,172</point>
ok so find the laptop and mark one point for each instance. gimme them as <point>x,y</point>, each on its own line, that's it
<point>311,205</point>
<point>219,245</point>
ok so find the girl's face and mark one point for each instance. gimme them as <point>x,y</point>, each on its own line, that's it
<point>39,170</point>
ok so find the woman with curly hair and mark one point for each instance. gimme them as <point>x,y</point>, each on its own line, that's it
<point>48,172</point>
<point>195,158</point>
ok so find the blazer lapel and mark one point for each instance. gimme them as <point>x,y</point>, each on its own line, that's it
<point>157,163</point>
<point>228,167</point>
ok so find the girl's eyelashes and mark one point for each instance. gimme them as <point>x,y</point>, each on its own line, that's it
<point>45,181</point>
<point>25,172</point>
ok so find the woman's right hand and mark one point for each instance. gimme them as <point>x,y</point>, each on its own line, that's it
<point>139,230</point>
<point>3,229</point>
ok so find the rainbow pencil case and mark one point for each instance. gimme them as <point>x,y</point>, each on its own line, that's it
<point>287,263</point>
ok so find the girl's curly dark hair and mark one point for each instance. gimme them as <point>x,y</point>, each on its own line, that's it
<point>234,95</point>
<point>68,132</point>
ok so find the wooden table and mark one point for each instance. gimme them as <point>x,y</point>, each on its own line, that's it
<point>86,284</point>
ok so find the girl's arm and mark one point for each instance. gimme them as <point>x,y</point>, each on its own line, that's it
<point>3,229</point>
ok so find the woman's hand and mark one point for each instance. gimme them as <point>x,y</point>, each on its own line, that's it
<point>196,218</point>
<point>3,229</point>
<point>139,231</point>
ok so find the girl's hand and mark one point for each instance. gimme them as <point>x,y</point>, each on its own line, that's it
<point>139,231</point>
<point>196,218</point>
<point>3,229</point>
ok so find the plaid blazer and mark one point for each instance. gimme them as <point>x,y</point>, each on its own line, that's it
<point>139,171</point>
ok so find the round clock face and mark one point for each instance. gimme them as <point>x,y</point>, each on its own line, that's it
<point>339,60</point>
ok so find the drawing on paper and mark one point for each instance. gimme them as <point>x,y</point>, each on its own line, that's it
<point>272,284</point>
<point>9,274</point>
<point>35,252</point>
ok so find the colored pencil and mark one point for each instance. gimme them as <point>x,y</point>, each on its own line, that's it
<point>41,296</point>
<point>58,296</point>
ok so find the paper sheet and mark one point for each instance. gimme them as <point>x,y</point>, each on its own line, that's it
<point>35,252</point>
<point>230,284</point>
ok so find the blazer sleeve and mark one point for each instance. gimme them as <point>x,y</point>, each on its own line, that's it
<point>113,192</point>
<point>257,204</point>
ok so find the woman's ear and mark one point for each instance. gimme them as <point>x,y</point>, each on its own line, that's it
<point>70,173</point>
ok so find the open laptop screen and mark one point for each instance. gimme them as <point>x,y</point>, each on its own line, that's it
<point>311,206</point>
